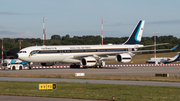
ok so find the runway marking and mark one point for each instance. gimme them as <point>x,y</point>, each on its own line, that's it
<point>129,65</point>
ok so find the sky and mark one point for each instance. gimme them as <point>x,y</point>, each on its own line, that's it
<point>22,18</point>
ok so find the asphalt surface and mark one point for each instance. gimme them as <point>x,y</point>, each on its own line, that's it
<point>151,83</point>
<point>171,70</point>
<point>26,98</point>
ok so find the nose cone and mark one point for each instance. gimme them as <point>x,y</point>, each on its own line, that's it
<point>24,57</point>
<point>17,55</point>
<point>20,56</point>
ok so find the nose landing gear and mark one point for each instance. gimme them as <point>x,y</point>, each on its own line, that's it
<point>30,65</point>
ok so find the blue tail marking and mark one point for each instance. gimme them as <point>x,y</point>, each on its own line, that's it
<point>178,58</point>
<point>133,39</point>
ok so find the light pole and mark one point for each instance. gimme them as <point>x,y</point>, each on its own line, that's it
<point>2,52</point>
<point>20,41</point>
<point>102,29</point>
<point>155,46</point>
<point>43,30</point>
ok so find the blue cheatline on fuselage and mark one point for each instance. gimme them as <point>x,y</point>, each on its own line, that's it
<point>84,51</point>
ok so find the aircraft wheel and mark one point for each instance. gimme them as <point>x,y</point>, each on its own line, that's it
<point>71,66</point>
<point>30,67</point>
<point>78,66</point>
<point>13,68</point>
<point>20,67</point>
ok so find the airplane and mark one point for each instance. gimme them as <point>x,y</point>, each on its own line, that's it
<point>87,55</point>
<point>165,60</point>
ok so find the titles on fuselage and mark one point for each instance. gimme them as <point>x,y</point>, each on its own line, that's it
<point>53,48</point>
<point>46,48</point>
<point>80,47</point>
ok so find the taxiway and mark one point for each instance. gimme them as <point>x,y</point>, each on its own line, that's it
<point>171,70</point>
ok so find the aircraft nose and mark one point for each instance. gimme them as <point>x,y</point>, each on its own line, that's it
<point>17,55</point>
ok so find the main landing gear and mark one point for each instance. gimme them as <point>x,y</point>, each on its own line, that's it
<point>75,66</point>
<point>98,65</point>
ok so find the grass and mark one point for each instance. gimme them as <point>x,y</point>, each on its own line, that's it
<point>99,77</point>
<point>92,91</point>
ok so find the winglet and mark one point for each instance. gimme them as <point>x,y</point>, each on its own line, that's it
<point>174,47</point>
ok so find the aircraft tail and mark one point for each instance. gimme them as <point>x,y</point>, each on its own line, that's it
<point>177,57</point>
<point>135,37</point>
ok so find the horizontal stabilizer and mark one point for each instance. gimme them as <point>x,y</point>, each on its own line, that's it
<point>156,50</point>
<point>174,47</point>
<point>153,45</point>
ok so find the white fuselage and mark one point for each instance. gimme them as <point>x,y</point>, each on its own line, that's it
<point>73,53</point>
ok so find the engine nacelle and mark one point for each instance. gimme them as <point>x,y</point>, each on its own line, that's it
<point>48,64</point>
<point>89,61</point>
<point>123,58</point>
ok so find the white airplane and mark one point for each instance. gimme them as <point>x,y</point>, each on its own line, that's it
<point>165,60</point>
<point>87,55</point>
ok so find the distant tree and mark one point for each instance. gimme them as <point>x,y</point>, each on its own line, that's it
<point>55,37</point>
<point>11,46</point>
<point>65,37</point>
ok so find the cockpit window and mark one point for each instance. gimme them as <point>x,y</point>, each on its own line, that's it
<point>34,52</point>
<point>22,51</point>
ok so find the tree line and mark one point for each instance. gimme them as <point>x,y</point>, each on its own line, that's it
<point>11,46</point>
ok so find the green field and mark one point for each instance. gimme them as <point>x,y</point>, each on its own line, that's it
<point>92,91</point>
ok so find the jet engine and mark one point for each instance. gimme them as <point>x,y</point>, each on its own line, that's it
<point>48,64</point>
<point>123,58</point>
<point>89,61</point>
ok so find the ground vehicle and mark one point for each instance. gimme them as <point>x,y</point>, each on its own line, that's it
<point>10,64</point>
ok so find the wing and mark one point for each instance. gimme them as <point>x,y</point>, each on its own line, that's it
<point>156,50</point>
<point>105,54</point>
<point>152,45</point>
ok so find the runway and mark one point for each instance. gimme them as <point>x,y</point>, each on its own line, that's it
<point>171,70</point>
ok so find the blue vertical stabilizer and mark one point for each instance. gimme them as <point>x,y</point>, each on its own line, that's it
<point>135,37</point>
